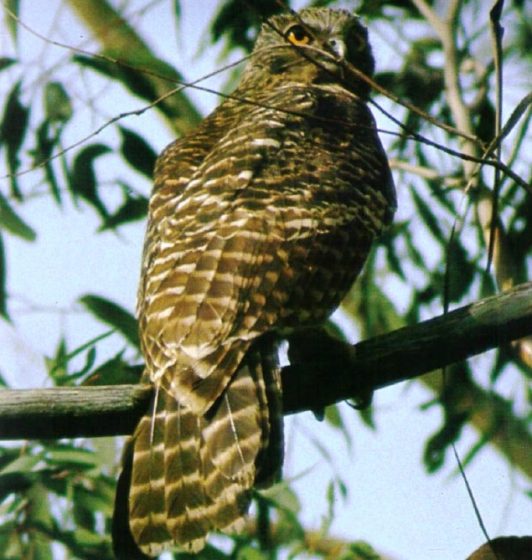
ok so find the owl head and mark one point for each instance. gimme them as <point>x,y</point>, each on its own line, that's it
<point>313,46</point>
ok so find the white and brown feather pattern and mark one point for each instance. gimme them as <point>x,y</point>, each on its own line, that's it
<point>194,474</point>
<point>259,222</point>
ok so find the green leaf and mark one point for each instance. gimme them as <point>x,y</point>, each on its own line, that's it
<point>39,516</point>
<point>132,78</point>
<point>57,364</point>
<point>366,415</point>
<point>239,26</point>
<point>68,456</point>
<point>99,498</point>
<point>437,445</point>
<point>429,218</point>
<point>89,362</point>
<point>83,177</point>
<point>391,252</point>
<point>250,553</point>
<point>330,496</point>
<point>334,418</point>
<point>12,133</point>
<point>360,551</point>
<point>10,541</point>
<point>376,307</point>
<point>9,454</point>
<point>11,20</point>
<point>105,67</point>
<point>46,140</point>
<point>17,482</point>
<point>22,464</point>
<point>57,105</point>
<point>133,209</point>
<point>113,315</point>
<point>61,376</point>
<point>60,361</point>
<point>461,272</point>
<point>137,152</point>
<point>177,10</point>
<point>6,62</point>
<point>208,553</point>
<point>412,251</point>
<point>3,383</point>
<point>283,497</point>
<point>58,485</point>
<point>458,377</point>
<point>13,223</point>
<point>87,539</point>
<point>115,371</point>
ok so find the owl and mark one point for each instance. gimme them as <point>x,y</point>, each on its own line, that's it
<point>259,222</point>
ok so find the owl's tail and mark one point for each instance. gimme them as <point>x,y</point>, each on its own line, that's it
<point>185,475</point>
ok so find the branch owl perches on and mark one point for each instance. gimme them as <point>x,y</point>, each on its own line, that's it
<point>259,222</point>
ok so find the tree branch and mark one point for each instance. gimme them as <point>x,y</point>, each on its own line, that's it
<point>318,368</point>
<point>322,371</point>
<point>404,353</point>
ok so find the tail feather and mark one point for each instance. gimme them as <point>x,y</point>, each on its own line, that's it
<point>184,488</point>
<point>264,366</point>
<point>192,473</point>
<point>232,434</point>
<point>124,545</point>
<point>147,507</point>
<point>231,443</point>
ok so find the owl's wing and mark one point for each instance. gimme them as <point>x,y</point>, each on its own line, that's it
<point>174,168</point>
<point>238,243</point>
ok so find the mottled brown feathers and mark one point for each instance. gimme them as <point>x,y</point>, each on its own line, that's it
<point>259,222</point>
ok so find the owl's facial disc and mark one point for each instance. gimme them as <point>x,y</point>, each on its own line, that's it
<point>314,47</point>
<point>301,36</point>
<point>316,52</point>
<point>308,58</point>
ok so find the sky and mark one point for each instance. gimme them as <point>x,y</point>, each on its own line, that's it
<point>391,502</point>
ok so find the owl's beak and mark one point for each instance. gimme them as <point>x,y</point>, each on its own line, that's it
<point>338,46</point>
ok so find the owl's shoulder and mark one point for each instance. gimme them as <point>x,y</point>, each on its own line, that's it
<point>180,158</point>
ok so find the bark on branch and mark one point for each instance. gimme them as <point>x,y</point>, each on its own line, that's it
<point>322,371</point>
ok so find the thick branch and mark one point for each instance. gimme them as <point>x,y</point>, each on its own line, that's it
<point>313,380</point>
<point>323,371</point>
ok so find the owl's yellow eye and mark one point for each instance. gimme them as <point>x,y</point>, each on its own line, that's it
<point>298,36</point>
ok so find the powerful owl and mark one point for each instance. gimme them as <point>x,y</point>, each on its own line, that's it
<point>259,222</point>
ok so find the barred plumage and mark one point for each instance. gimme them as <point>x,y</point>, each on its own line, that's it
<point>259,222</point>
